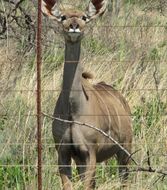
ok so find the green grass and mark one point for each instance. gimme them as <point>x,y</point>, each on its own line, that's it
<point>151,112</point>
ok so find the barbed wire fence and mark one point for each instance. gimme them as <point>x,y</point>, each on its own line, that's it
<point>32,32</point>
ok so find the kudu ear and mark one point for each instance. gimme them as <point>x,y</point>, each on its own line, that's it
<point>51,9</point>
<point>96,8</point>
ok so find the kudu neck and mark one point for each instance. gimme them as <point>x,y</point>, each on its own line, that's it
<point>72,67</point>
<point>72,52</point>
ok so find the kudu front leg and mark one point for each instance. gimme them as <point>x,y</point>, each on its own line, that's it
<point>64,162</point>
<point>89,180</point>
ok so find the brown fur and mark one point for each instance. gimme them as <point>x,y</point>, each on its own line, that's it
<point>108,110</point>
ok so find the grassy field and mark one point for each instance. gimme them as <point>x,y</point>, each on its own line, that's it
<point>128,52</point>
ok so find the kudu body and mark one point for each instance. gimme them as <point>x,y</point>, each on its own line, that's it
<point>99,105</point>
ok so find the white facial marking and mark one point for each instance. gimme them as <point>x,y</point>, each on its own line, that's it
<point>74,30</point>
<point>77,30</point>
<point>71,30</point>
<point>87,20</point>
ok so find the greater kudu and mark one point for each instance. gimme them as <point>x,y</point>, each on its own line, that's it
<point>99,105</point>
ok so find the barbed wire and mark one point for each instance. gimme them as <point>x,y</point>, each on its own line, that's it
<point>98,165</point>
<point>67,144</point>
<point>102,115</point>
<point>59,89</point>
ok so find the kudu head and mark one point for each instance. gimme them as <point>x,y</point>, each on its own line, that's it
<point>73,21</point>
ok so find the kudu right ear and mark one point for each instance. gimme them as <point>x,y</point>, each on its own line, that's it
<point>96,8</point>
<point>51,9</point>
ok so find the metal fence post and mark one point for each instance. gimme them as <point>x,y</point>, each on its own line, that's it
<point>38,96</point>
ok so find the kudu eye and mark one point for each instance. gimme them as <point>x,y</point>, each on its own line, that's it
<point>84,18</point>
<point>63,17</point>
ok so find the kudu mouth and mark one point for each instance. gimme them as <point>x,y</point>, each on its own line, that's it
<point>73,35</point>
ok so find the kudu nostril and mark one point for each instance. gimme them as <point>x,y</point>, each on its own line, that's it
<point>74,25</point>
<point>77,26</point>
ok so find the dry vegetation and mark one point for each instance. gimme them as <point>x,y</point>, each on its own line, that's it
<point>128,52</point>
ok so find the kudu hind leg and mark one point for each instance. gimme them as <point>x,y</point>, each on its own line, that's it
<point>64,162</point>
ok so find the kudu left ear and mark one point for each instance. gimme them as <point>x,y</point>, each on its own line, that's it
<point>96,8</point>
<point>51,9</point>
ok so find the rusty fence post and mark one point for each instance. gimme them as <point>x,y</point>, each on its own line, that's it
<point>38,96</point>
